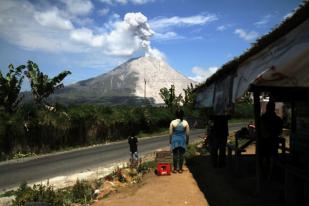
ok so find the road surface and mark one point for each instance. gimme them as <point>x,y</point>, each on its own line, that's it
<point>12,173</point>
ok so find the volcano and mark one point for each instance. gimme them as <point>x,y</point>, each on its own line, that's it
<point>134,82</point>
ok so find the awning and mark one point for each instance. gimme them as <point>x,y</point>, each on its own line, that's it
<point>284,63</point>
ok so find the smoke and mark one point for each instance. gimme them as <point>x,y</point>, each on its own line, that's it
<point>140,28</point>
<point>125,38</point>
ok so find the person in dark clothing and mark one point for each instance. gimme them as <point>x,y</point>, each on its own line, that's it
<point>218,139</point>
<point>271,129</point>
<point>132,140</point>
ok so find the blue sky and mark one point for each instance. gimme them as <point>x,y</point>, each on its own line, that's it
<point>91,37</point>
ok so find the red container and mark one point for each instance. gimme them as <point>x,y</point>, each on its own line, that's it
<point>163,168</point>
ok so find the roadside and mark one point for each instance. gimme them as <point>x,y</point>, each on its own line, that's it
<point>21,157</point>
<point>174,189</point>
<point>69,150</point>
<point>26,157</point>
<point>199,185</point>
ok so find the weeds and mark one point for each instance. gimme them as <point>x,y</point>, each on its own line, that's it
<point>146,167</point>
<point>117,174</point>
<point>38,193</point>
<point>82,192</point>
<point>23,155</point>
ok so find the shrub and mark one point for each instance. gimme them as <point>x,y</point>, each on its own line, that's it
<point>146,167</point>
<point>191,152</point>
<point>82,192</point>
<point>38,193</point>
<point>117,174</point>
<point>243,110</point>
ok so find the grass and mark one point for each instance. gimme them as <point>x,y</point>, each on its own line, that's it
<point>194,150</point>
<point>8,193</point>
<point>82,192</point>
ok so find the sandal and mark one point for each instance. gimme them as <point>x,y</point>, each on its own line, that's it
<point>174,171</point>
<point>180,171</point>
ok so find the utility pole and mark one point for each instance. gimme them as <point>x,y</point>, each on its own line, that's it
<point>145,84</point>
<point>145,88</point>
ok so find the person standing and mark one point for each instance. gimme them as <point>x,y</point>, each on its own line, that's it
<point>179,138</point>
<point>132,140</point>
<point>218,139</point>
<point>271,129</point>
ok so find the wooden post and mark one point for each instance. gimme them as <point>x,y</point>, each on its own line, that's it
<point>293,128</point>
<point>257,115</point>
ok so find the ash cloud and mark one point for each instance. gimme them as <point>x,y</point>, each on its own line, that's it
<point>126,38</point>
<point>141,29</point>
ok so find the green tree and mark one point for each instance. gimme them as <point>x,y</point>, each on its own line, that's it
<point>41,85</point>
<point>170,98</point>
<point>189,97</point>
<point>10,86</point>
<point>246,98</point>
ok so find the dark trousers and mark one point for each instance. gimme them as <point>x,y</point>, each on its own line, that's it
<point>217,151</point>
<point>178,158</point>
<point>269,153</point>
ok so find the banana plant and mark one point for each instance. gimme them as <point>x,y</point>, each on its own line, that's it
<point>10,85</point>
<point>41,85</point>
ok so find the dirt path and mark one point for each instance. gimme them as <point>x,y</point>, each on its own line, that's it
<point>176,189</point>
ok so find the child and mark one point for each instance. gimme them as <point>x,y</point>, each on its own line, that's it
<point>132,140</point>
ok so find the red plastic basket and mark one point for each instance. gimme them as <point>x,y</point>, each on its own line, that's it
<point>163,168</point>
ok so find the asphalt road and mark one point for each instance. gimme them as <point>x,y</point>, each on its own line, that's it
<point>12,173</point>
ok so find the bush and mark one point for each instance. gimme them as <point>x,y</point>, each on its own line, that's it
<point>38,193</point>
<point>244,110</point>
<point>191,151</point>
<point>146,166</point>
<point>82,192</point>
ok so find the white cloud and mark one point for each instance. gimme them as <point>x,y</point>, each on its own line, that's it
<point>224,27</point>
<point>86,36</point>
<point>103,11</point>
<point>141,1</point>
<point>23,25</point>
<point>247,36</point>
<point>264,20</point>
<point>85,21</point>
<point>167,36</point>
<point>161,23</point>
<point>55,30</point>
<point>53,19</point>
<point>221,28</point>
<point>202,74</point>
<point>112,2</point>
<point>78,7</point>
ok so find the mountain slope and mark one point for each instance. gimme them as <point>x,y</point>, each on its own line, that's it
<point>127,84</point>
